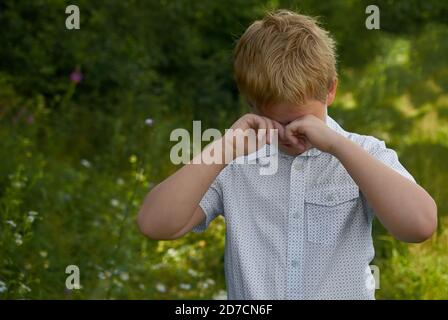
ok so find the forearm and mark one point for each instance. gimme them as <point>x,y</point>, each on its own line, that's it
<point>172,203</point>
<point>402,206</point>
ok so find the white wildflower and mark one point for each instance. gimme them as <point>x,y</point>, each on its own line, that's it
<point>171,252</point>
<point>18,239</point>
<point>149,122</point>
<point>192,273</point>
<point>124,276</point>
<point>185,286</point>
<point>220,295</point>
<point>25,288</point>
<point>11,223</point>
<point>160,287</point>
<point>114,203</point>
<point>157,266</point>
<point>118,283</point>
<point>3,287</point>
<point>207,283</point>
<point>32,216</point>
<point>85,163</point>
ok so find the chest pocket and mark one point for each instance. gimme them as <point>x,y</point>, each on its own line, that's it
<point>329,211</point>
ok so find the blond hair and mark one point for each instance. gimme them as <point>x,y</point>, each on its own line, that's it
<point>286,57</point>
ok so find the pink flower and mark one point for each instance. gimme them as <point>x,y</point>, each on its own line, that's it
<point>76,76</point>
<point>30,119</point>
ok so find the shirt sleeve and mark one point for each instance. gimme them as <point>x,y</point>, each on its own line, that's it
<point>390,158</point>
<point>211,204</point>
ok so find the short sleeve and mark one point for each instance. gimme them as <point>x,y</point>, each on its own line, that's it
<point>390,158</point>
<point>211,204</point>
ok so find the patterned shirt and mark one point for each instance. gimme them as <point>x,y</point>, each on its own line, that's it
<point>301,233</point>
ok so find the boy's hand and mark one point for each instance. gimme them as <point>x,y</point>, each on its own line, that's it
<point>309,131</point>
<point>249,133</point>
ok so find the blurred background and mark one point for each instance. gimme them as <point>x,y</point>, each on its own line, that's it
<point>85,119</point>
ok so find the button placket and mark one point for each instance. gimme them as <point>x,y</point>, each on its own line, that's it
<point>296,231</point>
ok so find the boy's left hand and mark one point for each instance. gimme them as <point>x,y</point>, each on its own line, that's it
<point>309,131</point>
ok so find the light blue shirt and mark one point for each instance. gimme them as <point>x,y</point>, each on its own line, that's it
<point>301,233</point>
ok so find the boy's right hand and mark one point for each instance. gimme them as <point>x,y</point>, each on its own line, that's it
<point>249,133</point>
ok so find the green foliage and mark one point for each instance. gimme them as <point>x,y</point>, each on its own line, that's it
<point>78,158</point>
<point>417,271</point>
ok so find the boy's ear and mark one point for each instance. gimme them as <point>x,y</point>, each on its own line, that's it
<point>332,92</point>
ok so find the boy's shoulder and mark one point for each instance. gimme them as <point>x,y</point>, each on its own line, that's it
<point>367,142</point>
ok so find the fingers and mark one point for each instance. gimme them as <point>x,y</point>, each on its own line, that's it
<point>280,128</point>
<point>263,126</point>
<point>269,129</point>
<point>256,122</point>
<point>292,138</point>
<point>296,134</point>
<point>292,132</point>
<point>303,143</point>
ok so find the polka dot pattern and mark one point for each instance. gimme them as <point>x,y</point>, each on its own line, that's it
<point>302,233</point>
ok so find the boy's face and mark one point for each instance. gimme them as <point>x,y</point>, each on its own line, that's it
<point>286,113</point>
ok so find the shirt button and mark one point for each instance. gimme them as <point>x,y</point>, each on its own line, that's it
<point>295,263</point>
<point>297,166</point>
<point>264,162</point>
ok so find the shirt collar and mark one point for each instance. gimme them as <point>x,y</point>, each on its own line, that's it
<point>267,150</point>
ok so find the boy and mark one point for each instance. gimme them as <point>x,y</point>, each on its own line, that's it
<point>305,231</point>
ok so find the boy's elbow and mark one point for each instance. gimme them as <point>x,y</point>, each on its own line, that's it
<point>428,225</point>
<point>150,229</point>
<point>146,227</point>
<point>423,233</point>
